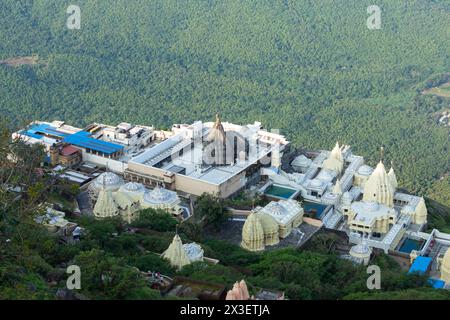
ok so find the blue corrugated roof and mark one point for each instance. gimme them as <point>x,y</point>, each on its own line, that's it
<point>44,128</point>
<point>82,139</point>
<point>420,265</point>
<point>31,134</point>
<point>436,283</point>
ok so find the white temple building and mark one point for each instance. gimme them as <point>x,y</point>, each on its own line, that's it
<point>288,214</point>
<point>359,199</point>
<point>180,255</point>
<point>176,253</point>
<point>265,226</point>
<point>113,197</point>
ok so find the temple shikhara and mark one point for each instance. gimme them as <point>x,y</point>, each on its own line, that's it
<point>127,168</point>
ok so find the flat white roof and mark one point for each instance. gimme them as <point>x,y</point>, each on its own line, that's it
<point>191,159</point>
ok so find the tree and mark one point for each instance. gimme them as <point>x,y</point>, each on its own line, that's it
<point>211,210</point>
<point>158,220</point>
<point>106,277</point>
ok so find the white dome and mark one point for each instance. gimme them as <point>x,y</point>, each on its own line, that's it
<point>160,196</point>
<point>132,187</point>
<point>277,209</point>
<point>194,251</point>
<point>360,249</point>
<point>365,170</point>
<point>301,161</point>
<point>109,180</point>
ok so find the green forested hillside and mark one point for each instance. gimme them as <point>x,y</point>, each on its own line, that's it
<point>310,68</point>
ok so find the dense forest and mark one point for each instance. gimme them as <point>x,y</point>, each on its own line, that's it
<point>310,68</point>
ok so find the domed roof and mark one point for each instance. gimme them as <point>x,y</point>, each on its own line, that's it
<point>277,209</point>
<point>160,196</point>
<point>365,170</point>
<point>361,249</point>
<point>109,180</point>
<point>123,200</point>
<point>302,161</point>
<point>133,187</point>
<point>194,251</point>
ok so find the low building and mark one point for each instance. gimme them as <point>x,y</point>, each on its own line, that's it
<point>55,222</point>
<point>133,138</point>
<point>65,155</point>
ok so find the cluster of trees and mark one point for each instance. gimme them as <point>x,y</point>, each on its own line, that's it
<point>313,70</point>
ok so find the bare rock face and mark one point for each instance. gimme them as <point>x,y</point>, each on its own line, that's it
<point>66,294</point>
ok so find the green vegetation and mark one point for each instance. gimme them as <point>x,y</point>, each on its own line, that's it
<point>157,220</point>
<point>309,68</point>
<point>438,216</point>
<point>211,210</point>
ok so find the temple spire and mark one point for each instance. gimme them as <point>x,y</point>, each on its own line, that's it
<point>381,154</point>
